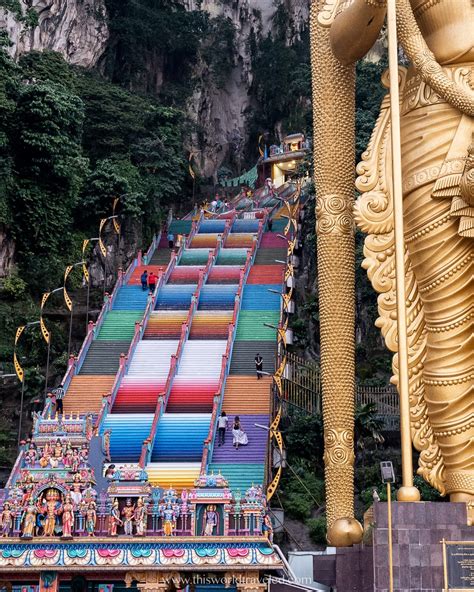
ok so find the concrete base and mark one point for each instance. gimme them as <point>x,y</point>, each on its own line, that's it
<point>417,531</point>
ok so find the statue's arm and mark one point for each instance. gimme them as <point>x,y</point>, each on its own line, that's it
<point>355,29</point>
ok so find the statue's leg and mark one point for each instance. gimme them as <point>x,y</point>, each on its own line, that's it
<point>442,263</point>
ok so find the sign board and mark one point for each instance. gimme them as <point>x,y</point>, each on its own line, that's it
<point>458,559</point>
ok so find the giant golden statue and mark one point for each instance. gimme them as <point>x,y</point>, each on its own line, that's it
<point>437,153</point>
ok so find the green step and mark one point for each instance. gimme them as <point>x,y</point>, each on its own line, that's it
<point>119,325</point>
<point>251,326</point>
<point>240,476</point>
<point>180,227</point>
<point>232,257</point>
<point>194,257</point>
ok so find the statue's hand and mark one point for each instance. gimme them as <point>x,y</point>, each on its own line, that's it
<point>355,29</point>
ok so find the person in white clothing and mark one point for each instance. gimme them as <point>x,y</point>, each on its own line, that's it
<point>239,436</point>
<point>222,423</point>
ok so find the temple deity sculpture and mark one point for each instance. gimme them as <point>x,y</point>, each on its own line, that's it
<point>140,517</point>
<point>437,128</point>
<point>114,518</point>
<point>91,518</point>
<point>28,520</point>
<point>128,514</point>
<point>169,515</point>
<point>6,519</point>
<point>50,508</point>
<point>210,521</point>
<point>68,517</point>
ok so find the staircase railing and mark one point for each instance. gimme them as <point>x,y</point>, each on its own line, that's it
<point>208,448</point>
<point>164,396</point>
<point>146,258</point>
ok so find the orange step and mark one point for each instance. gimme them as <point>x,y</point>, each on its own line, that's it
<point>247,395</point>
<point>85,393</point>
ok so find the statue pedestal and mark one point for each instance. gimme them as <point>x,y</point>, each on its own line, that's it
<point>417,531</point>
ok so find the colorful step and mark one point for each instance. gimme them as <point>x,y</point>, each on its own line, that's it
<point>165,324</point>
<point>180,437</point>
<point>204,241</point>
<point>266,274</point>
<point>252,325</point>
<point>245,225</point>
<point>246,394</point>
<point>179,476</point>
<point>253,452</point>
<point>191,395</point>
<point>186,274</point>
<point>175,297</point>
<point>240,476</point>
<point>194,257</point>
<point>127,435</point>
<point>271,256</point>
<point>119,325</point>
<point>135,278</point>
<point>131,298</point>
<point>84,394</point>
<point>224,274</point>
<point>240,240</point>
<point>261,297</point>
<point>270,240</point>
<point>180,227</point>
<point>217,297</point>
<point>103,357</point>
<point>211,324</point>
<point>232,257</point>
<point>212,226</point>
<point>243,357</point>
<point>138,394</point>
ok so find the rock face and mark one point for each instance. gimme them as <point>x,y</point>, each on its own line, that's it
<point>221,112</point>
<point>75,28</point>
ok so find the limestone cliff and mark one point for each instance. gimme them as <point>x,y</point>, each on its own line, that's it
<point>75,28</point>
<point>221,111</point>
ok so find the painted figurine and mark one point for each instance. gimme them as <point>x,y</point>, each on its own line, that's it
<point>91,519</point>
<point>210,520</point>
<point>140,517</point>
<point>6,520</point>
<point>68,517</point>
<point>169,519</point>
<point>28,520</point>
<point>50,508</point>
<point>128,513</point>
<point>114,518</point>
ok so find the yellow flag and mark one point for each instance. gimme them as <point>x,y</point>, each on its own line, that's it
<point>191,171</point>
<point>67,299</point>
<point>261,152</point>
<point>85,242</point>
<point>44,298</point>
<point>44,331</point>
<point>18,368</point>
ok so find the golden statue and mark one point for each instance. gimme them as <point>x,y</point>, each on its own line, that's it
<point>437,154</point>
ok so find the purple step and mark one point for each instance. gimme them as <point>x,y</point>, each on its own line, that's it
<point>256,449</point>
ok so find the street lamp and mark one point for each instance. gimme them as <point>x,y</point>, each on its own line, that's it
<point>388,477</point>
<point>20,372</point>
<point>46,334</point>
<point>68,301</point>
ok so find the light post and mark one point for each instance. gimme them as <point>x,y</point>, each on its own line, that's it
<point>68,301</point>
<point>388,477</point>
<point>20,372</point>
<point>86,274</point>
<point>46,334</point>
<point>103,250</point>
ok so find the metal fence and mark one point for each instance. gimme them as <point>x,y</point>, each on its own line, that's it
<point>302,391</point>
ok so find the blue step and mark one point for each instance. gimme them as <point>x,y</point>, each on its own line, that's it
<point>211,226</point>
<point>130,298</point>
<point>175,297</point>
<point>218,297</point>
<point>245,226</point>
<point>180,437</point>
<point>127,435</point>
<point>258,297</point>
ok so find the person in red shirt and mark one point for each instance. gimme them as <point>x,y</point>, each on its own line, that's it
<point>151,281</point>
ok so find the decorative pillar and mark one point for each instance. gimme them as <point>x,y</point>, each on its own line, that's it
<point>334,136</point>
